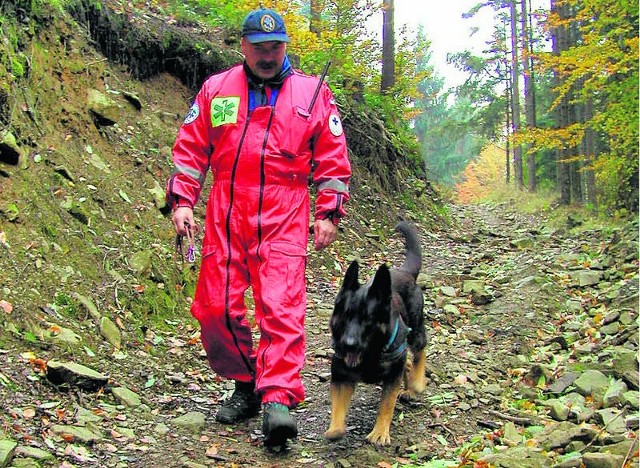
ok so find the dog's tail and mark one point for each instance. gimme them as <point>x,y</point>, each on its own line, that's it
<point>413,252</point>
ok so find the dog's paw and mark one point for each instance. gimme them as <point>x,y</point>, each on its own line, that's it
<point>409,396</point>
<point>335,433</point>
<point>379,437</point>
<point>414,388</point>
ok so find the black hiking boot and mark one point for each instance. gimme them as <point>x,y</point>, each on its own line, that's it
<point>243,404</point>
<point>277,425</point>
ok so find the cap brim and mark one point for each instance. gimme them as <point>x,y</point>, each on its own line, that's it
<point>267,37</point>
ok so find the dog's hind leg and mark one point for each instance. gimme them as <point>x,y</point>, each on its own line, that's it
<point>380,433</point>
<point>414,376</point>
<point>340,401</point>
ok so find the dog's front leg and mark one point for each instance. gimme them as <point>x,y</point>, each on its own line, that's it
<point>380,433</point>
<point>340,400</point>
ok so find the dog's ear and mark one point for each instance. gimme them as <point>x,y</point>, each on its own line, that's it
<point>379,297</point>
<point>381,285</point>
<point>351,277</point>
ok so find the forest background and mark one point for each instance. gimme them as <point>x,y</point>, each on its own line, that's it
<point>559,120</point>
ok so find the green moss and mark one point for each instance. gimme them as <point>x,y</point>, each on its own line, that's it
<point>17,68</point>
<point>65,304</point>
<point>49,230</point>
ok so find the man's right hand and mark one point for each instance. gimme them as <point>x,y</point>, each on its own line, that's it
<point>183,217</point>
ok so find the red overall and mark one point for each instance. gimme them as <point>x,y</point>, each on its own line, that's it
<point>257,219</point>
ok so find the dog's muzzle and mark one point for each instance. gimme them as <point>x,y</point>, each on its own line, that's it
<point>352,359</point>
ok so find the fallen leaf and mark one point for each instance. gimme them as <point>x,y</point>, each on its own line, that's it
<point>38,364</point>
<point>119,323</point>
<point>212,451</point>
<point>124,196</point>
<point>48,405</point>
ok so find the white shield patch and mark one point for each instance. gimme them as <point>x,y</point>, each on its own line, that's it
<point>335,125</point>
<point>193,114</point>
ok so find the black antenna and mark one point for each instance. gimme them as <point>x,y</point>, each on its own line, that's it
<point>315,94</point>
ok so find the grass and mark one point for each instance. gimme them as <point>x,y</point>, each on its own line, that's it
<point>546,202</point>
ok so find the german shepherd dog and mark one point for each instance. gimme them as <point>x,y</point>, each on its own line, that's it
<point>378,336</point>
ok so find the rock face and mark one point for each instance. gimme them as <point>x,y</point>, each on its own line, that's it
<point>105,111</point>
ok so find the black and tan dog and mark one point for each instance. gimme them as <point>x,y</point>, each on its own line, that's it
<point>378,336</point>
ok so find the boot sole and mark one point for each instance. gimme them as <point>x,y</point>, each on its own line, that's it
<point>278,436</point>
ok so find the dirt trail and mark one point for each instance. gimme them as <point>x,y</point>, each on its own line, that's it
<point>446,416</point>
<point>475,353</point>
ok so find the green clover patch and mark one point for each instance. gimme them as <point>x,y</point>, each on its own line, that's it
<point>224,110</point>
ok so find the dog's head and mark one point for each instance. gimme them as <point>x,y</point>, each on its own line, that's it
<point>361,316</point>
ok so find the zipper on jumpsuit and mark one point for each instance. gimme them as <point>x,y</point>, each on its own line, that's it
<point>246,360</point>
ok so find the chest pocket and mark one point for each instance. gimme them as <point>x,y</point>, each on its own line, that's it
<point>293,134</point>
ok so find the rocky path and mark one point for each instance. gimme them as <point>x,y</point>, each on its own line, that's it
<point>532,362</point>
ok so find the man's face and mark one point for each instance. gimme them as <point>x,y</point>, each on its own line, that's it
<point>264,58</point>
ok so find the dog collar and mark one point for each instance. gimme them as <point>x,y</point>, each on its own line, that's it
<point>392,338</point>
<point>397,344</point>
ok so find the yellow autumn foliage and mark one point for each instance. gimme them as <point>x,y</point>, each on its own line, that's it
<point>483,176</point>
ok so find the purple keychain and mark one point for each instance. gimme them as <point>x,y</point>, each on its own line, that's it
<point>191,249</point>
<point>191,253</point>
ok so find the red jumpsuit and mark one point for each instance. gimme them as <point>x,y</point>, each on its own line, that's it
<point>257,219</point>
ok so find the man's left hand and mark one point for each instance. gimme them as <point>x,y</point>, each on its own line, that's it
<point>324,233</point>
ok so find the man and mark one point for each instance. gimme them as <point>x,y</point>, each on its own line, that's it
<point>255,127</point>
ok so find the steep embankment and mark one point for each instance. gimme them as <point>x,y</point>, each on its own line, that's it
<point>89,111</point>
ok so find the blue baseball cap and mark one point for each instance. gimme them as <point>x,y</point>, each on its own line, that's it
<point>264,25</point>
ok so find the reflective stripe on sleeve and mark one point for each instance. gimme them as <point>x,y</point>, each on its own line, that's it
<point>191,172</point>
<point>334,185</point>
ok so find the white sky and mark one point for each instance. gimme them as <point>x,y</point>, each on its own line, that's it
<point>446,29</point>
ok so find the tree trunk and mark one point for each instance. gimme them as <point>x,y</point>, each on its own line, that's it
<point>529,91</point>
<point>590,152</point>
<point>577,164</point>
<point>508,129</point>
<point>515,102</point>
<point>559,40</point>
<point>574,114</point>
<point>315,7</point>
<point>388,47</point>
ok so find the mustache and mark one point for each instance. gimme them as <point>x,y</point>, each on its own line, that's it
<point>264,65</point>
